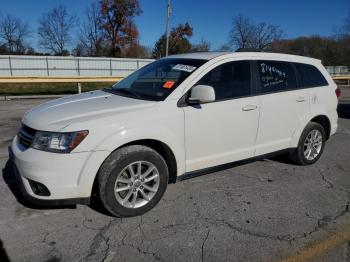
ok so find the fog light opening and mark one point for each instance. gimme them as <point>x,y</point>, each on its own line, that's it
<point>38,188</point>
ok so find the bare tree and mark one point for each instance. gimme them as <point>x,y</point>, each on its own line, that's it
<point>264,34</point>
<point>241,33</point>
<point>245,34</point>
<point>13,32</point>
<point>203,46</point>
<point>55,30</point>
<point>346,27</point>
<point>225,48</point>
<point>91,39</point>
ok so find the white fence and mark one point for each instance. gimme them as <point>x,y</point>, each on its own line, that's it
<point>338,70</point>
<point>58,66</point>
<point>68,66</point>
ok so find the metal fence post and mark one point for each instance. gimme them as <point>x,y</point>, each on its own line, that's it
<point>47,67</point>
<point>110,66</point>
<point>10,66</point>
<point>78,64</point>
<point>138,64</point>
<point>79,88</point>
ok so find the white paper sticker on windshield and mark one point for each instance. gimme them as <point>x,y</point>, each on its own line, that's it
<point>185,68</point>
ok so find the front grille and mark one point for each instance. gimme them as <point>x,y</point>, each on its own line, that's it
<point>26,136</point>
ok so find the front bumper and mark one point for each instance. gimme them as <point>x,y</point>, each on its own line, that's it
<point>38,201</point>
<point>59,173</point>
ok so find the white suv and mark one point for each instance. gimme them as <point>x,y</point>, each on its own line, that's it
<point>178,117</point>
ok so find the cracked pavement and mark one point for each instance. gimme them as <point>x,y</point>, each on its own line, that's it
<point>262,211</point>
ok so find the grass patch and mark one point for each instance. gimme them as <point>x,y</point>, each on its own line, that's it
<point>48,88</point>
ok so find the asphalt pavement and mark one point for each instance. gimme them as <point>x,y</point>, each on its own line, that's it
<point>267,210</point>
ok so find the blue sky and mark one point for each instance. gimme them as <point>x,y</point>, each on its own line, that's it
<point>211,19</point>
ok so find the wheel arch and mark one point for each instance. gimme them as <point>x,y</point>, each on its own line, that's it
<point>324,121</point>
<point>320,118</point>
<point>164,150</point>
<point>160,147</point>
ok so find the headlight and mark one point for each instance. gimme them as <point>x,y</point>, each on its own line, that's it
<point>58,142</point>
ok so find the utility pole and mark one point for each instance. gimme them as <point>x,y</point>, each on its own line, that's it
<point>169,12</point>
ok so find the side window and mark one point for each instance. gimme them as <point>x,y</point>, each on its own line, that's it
<point>310,76</point>
<point>230,80</point>
<point>276,76</point>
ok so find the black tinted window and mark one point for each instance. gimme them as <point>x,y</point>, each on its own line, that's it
<point>276,76</point>
<point>157,80</point>
<point>310,76</point>
<point>229,80</point>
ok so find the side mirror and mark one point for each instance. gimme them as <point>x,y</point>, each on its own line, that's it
<point>201,94</point>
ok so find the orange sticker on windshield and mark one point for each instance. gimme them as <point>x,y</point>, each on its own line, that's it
<point>169,84</point>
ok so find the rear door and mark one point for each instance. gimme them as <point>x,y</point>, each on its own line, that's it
<point>322,96</point>
<point>282,105</point>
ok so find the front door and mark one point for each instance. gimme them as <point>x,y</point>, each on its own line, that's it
<point>225,130</point>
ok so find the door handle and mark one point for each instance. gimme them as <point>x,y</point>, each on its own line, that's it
<point>249,107</point>
<point>301,99</point>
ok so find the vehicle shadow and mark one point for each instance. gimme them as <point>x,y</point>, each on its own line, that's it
<point>95,204</point>
<point>3,254</point>
<point>283,159</point>
<point>344,110</point>
<point>12,182</point>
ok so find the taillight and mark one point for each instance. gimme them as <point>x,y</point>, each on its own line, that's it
<point>337,92</point>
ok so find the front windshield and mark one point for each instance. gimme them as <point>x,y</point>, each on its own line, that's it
<point>157,80</point>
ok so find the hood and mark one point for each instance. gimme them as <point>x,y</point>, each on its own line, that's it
<point>59,113</point>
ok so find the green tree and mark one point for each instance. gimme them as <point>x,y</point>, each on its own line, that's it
<point>178,41</point>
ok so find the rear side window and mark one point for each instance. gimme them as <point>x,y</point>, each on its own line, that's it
<point>230,80</point>
<point>276,76</point>
<point>310,76</point>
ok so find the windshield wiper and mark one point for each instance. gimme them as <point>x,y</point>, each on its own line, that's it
<point>127,91</point>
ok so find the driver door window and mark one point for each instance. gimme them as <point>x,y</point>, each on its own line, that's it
<point>230,80</point>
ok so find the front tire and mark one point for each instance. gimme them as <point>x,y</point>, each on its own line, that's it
<point>310,146</point>
<point>132,181</point>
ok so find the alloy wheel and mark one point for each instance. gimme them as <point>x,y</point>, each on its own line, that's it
<point>136,184</point>
<point>313,144</point>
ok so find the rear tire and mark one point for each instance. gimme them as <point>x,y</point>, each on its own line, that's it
<point>310,146</point>
<point>132,181</point>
